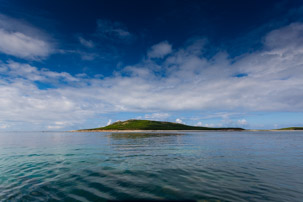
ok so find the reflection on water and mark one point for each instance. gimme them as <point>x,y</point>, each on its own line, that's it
<point>135,135</point>
<point>224,166</point>
<point>136,139</point>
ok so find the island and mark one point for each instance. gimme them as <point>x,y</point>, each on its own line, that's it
<point>292,128</point>
<point>147,125</point>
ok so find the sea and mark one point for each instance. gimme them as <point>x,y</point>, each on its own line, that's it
<point>167,166</point>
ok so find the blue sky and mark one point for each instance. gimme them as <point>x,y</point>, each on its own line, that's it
<point>81,64</point>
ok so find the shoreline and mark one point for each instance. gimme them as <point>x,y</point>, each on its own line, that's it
<point>163,131</point>
<point>154,130</point>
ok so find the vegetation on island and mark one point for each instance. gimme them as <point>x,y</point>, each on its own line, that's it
<point>292,128</point>
<point>154,125</point>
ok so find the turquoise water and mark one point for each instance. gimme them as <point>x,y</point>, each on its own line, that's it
<point>225,166</point>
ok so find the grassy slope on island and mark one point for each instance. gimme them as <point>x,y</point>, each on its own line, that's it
<point>154,125</point>
<point>292,128</point>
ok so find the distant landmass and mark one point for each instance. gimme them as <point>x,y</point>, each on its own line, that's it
<point>292,128</point>
<point>152,125</point>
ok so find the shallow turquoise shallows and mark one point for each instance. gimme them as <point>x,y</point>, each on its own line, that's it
<point>226,166</point>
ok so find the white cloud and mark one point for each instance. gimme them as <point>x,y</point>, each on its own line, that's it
<point>18,70</point>
<point>159,50</point>
<point>179,121</point>
<point>211,125</point>
<point>88,56</point>
<point>288,38</point>
<point>22,40</point>
<point>109,122</point>
<point>86,43</point>
<point>199,123</point>
<point>274,82</point>
<point>4,125</point>
<point>157,116</point>
<point>58,125</point>
<point>55,127</point>
<point>242,122</point>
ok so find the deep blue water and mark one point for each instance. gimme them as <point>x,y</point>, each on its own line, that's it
<point>224,166</point>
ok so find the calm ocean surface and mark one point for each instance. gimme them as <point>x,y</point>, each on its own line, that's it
<point>224,166</point>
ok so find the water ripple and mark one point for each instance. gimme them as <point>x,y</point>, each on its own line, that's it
<point>199,166</point>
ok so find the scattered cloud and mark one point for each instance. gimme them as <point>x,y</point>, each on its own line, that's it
<point>184,80</point>
<point>159,50</point>
<point>211,125</point>
<point>242,122</point>
<point>113,30</point>
<point>54,127</point>
<point>179,121</point>
<point>199,123</point>
<point>86,43</point>
<point>4,125</point>
<point>22,40</point>
<point>109,122</point>
<point>58,125</point>
<point>157,116</point>
<point>14,71</point>
<point>88,56</point>
<point>285,39</point>
<point>104,43</point>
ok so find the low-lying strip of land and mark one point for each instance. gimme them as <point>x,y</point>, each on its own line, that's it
<point>162,126</point>
<point>291,128</point>
<point>163,131</point>
<point>152,126</point>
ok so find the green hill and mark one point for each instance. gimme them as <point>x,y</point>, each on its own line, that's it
<point>292,128</point>
<point>154,125</point>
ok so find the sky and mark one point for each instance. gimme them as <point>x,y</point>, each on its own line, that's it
<point>68,65</point>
